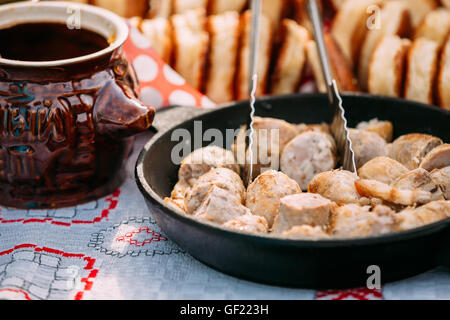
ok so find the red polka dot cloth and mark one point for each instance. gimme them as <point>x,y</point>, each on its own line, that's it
<point>160,85</point>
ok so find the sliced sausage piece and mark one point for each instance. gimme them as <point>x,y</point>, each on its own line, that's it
<point>248,223</point>
<point>299,209</point>
<point>337,185</point>
<point>382,169</point>
<point>223,178</point>
<point>353,220</point>
<point>180,190</point>
<point>419,179</point>
<point>410,149</point>
<point>305,233</point>
<point>219,207</point>
<point>384,129</point>
<point>442,178</point>
<point>287,131</point>
<point>322,127</point>
<point>202,160</point>
<point>270,138</point>
<point>178,195</point>
<point>376,189</point>
<point>175,203</point>
<point>308,154</point>
<point>437,158</point>
<point>264,194</point>
<point>366,145</point>
<point>432,212</point>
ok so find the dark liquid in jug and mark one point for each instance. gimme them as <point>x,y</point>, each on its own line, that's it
<point>48,42</point>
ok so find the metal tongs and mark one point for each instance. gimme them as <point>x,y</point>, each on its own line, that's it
<point>253,80</point>
<point>339,127</point>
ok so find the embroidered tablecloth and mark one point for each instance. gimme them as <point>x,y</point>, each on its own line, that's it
<point>113,249</point>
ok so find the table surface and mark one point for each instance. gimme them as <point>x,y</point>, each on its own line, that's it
<point>113,249</point>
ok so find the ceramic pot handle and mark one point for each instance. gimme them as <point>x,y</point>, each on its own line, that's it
<point>118,113</point>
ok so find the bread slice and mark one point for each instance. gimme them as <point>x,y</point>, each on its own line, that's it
<point>160,8</point>
<point>159,32</point>
<point>221,6</point>
<point>313,59</point>
<point>135,22</point>
<point>190,45</point>
<point>125,8</point>
<point>350,26</point>
<point>394,20</point>
<point>181,6</point>
<point>264,52</point>
<point>291,58</point>
<point>337,4</point>
<point>421,70</point>
<point>300,13</point>
<point>274,11</point>
<point>443,80</point>
<point>435,26</point>
<point>387,65</point>
<point>340,68</point>
<point>419,9</point>
<point>222,60</point>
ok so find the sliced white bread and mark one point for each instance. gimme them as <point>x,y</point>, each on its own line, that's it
<point>394,20</point>
<point>264,53</point>
<point>387,65</point>
<point>190,45</point>
<point>159,32</point>
<point>222,60</point>
<point>435,26</point>
<point>125,8</point>
<point>421,70</point>
<point>291,58</point>
<point>443,80</point>
<point>221,6</point>
<point>350,26</point>
<point>181,6</point>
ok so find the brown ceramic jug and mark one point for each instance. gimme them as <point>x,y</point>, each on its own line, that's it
<point>66,125</point>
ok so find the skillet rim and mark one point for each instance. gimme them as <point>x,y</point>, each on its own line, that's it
<point>148,192</point>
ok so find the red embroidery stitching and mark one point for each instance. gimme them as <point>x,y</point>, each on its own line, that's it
<point>90,262</point>
<point>357,294</point>
<point>113,201</point>
<point>128,237</point>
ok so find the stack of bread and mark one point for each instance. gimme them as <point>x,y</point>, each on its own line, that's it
<point>397,48</point>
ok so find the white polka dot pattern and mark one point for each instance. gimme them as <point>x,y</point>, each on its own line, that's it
<point>146,68</point>
<point>181,97</point>
<point>150,96</point>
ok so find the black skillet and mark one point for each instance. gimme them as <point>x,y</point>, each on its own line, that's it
<point>294,263</point>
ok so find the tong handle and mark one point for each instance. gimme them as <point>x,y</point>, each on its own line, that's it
<point>254,42</point>
<point>316,21</point>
